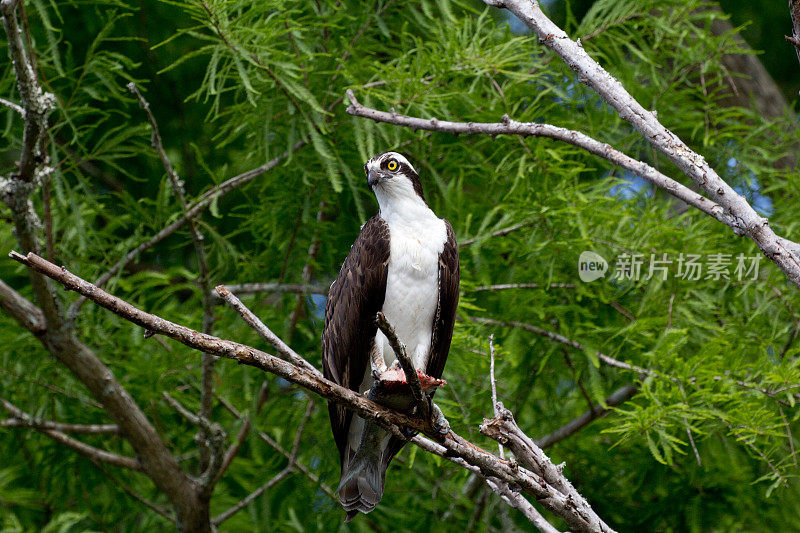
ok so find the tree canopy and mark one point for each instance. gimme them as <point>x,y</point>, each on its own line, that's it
<point>689,377</point>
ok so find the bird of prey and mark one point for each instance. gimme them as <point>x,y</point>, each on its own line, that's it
<point>404,263</point>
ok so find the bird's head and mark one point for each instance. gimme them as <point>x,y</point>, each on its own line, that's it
<point>393,179</point>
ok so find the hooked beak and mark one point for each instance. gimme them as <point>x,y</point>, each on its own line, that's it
<point>373,178</point>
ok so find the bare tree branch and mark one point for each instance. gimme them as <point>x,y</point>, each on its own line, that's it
<point>21,309</point>
<point>265,333</point>
<point>499,233</point>
<point>194,209</point>
<point>244,289</point>
<point>515,500</point>
<point>745,219</point>
<point>36,103</point>
<point>215,441</point>
<point>233,449</point>
<point>198,239</point>
<point>507,286</point>
<point>575,513</point>
<point>12,106</point>
<point>81,447</point>
<point>616,398</point>
<point>278,477</point>
<point>494,389</point>
<point>93,429</point>
<point>504,430</point>
<point>278,448</point>
<point>575,138</point>
<point>136,496</point>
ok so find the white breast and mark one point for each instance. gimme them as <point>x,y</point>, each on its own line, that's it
<point>412,285</point>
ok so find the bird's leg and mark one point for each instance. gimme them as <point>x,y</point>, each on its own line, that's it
<point>376,359</point>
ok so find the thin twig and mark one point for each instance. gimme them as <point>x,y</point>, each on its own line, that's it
<point>563,340</point>
<point>499,233</point>
<point>277,478</point>
<point>278,448</point>
<point>508,286</point>
<point>81,447</point>
<point>494,387</point>
<point>610,361</point>
<point>191,417</point>
<point>280,476</point>
<point>135,495</point>
<point>788,435</point>
<point>198,239</point>
<point>265,333</point>
<point>194,209</point>
<point>515,500</point>
<point>233,449</point>
<point>245,289</point>
<point>48,386</point>
<point>93,429</point>
<point>14,107</point>
<point>572,427</point>
<point>689,428</point>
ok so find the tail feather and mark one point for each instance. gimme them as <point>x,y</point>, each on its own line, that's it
<point>361,487</point>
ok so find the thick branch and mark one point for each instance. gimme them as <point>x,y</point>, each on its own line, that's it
<point>689,162</point>
<point>21,309</point>
<point>455,446</point>
<point>36,103</point>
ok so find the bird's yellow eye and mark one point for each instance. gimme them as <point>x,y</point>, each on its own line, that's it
<point>392,165</point>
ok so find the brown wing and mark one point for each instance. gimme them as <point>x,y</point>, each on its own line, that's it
<point>448,302</point>
<point>354,299</point>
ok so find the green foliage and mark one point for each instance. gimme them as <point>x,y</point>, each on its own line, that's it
<point>234,84</point>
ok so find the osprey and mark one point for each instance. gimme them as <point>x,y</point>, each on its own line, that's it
<point>405,264</point>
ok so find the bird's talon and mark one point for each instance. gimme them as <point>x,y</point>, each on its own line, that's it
<point>438,421</point>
